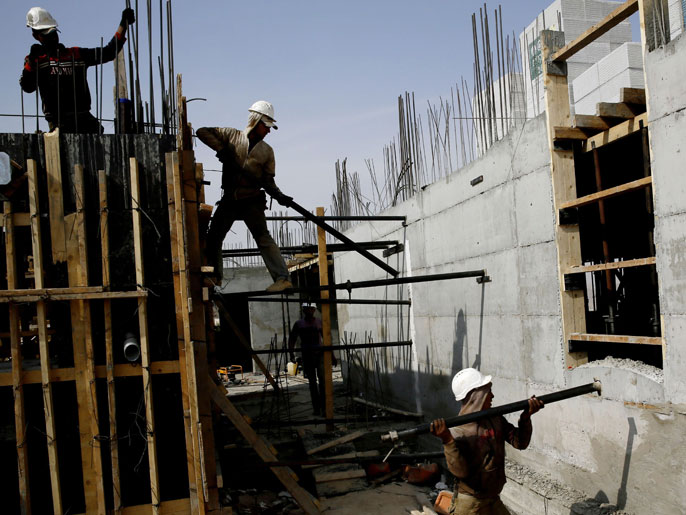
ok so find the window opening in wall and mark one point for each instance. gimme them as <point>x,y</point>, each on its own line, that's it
<point>618,253</point>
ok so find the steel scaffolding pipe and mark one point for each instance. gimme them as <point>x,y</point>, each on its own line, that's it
<point>373,218</point>
<point>311,248</point>
<point>329,348</point>
<point>380,302</point>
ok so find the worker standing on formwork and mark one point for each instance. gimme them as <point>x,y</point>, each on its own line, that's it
<point>248,167</point>
<point>475,452</point>
<point>60,73</point>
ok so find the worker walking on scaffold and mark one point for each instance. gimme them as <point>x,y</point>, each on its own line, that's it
<point>475,452</point>
<point>59,73</point>
<point>248,168</point>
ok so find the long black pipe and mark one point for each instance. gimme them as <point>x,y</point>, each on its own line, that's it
<point>329,348</point>
<point>409,458</point>
<point>312,248</point>
<point>493,412</point>
<point>380,302</point>
<point>366,284</point>
<point>372,218</point>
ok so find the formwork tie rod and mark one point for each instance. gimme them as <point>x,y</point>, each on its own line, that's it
<point>329,348</point>
<point>460,420</point>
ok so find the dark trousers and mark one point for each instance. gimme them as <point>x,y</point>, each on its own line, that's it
<point>251,211</point>
<point>313,366</point>
<point>84,123</point>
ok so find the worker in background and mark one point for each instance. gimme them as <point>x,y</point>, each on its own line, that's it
<point>309,330</point>
<point>475,452</point>
<point>59,72</point>
<point>248,168</point>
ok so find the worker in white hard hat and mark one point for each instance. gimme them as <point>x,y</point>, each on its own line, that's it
<point>248,169</point>
<point>59,73</point>
<point>475,452</point>
<point>309,330</point>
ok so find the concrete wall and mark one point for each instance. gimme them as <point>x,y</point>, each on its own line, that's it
<point>625,447</point>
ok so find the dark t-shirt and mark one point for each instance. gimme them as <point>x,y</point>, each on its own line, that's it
<point>309,331</point>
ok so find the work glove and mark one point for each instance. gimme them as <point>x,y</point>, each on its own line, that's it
<point>128,17</point>
<point>35,52</point>
<point>227,155</point>
<point>282,198</point>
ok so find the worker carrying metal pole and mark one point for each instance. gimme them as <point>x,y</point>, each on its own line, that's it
<point>474,441</point>
<point>248,168</point>
<point>59,73</point>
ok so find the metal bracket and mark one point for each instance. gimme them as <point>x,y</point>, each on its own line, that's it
<point>554,40</point>
<point>483,279</point>
<point>395,249</point>
<point>574,282</point>
<point>568,216</point>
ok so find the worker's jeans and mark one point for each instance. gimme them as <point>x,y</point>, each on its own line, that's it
<point>463,504</point>
<point>251,211</point>
<point>313,366</point>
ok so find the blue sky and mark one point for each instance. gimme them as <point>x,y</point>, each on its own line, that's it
<point>333,70</point>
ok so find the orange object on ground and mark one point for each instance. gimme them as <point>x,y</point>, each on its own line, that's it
<point>420,474</point>
<point>442,504</point>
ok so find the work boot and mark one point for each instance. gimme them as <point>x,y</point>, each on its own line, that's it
<point>280,284</point>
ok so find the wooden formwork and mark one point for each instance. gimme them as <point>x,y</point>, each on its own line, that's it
<point>96,247</point>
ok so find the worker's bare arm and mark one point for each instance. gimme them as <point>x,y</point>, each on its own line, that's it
<point>440,429</point>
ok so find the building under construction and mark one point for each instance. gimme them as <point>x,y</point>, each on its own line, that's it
<point>546,252</point>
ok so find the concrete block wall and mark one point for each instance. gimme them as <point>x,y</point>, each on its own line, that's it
<point>602,81</point>
<point>625,446</point>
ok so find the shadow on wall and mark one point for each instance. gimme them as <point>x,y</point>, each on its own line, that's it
<point>460,348</point>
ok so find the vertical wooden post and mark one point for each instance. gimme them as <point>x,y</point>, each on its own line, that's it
<point>84,365</point>
<point>109,354</point>
<point>50,434</point>
<point>564,188</point>
<point>144,343</point>
<point>17,386</point>
<point>53,167</point>
<point>186,354</point>
<point>326,320</point>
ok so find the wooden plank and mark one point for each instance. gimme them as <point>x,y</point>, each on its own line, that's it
<point>18,219</point>
<point>349,455</point>
<point>326,321</point>
<point>340,476</point>
<point>47,292</point>
<point>306,502</point>
<point>633,96</point>
<point>18,297</point>
<point>84,364</point>
<point>570,133</point>
<point>338,441</point>
<point>564,189</point>
<point>617,110</point>
<point>60,375</point>
<point>638,184</point>
<point>613,19</point>
<point>175,507</point>
<point>616,338</point>
<point>53,168</point>
<point>629,263</point>
<point>185,344</point>
<point>616,132</point>
<point>15,350</point>
<point>109,353</point>
<point>590,122</point>
<point>245,343</point>
<point>48,405</point>
<point>143,338</point>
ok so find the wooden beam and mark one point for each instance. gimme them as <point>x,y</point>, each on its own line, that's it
<point>15,350</point>
<point>109,353</point>
<point>590,123</point>
<point>143,338</point>
<point>48,405</point>
<point>189,397</point>
<point>338,441</point>
<point>22,296</point>
<point>84,363</point>
<point>175,507</point>
<point>306,502</point>
<point>61,375</point>
<point>633,96</point>
<point>564,189</point>
<point>638,184</point>
<point>326,321</point>
<point>617,110</point>
<point>569,133</point>
<point>616,338</point>
<point>613,19</point>
<point>615,265</point>
<point>616,132</point>
<point>18,219</point>
<point>53,168</point>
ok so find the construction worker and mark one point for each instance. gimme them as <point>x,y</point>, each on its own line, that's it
<point>248,167</point>
<point>309,330</point>
<point>60,73</point>
<point>475,452</point>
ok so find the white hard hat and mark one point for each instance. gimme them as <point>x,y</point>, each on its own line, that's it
<point>266,109</point>
<point>467,380</point>
<point>39,19</point>
<point>308,305</point>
